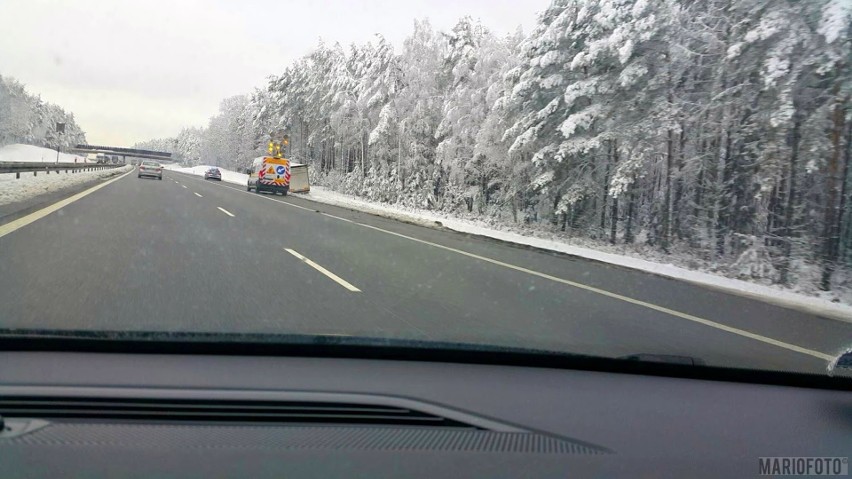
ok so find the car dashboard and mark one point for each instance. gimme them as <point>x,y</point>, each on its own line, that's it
<point>80,414</point>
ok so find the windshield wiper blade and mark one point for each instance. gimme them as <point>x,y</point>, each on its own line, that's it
<point>357,347</point>
<point>665,358</point>
<point>284,343</point>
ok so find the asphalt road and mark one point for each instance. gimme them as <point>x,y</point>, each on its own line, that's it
<point>183,254</point>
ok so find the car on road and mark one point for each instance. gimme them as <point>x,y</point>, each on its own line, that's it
<point>150,169</point>
<point>213,174</point>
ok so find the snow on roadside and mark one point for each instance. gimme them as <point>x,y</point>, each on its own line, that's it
<point>771,294</point>
<point>13,190</point>
<point>36,154</point>
<point>227,175</point>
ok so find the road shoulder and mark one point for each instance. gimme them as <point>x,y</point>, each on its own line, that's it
<point>12,211</point>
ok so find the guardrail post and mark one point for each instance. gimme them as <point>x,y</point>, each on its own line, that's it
<point>35,173</point>
<point>17,175</point>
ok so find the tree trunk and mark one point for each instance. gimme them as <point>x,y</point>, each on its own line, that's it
<point>400,186</point>
<point>628,227</point>
<point>667,199</point>
<point>830,232</point>
<point>791,193</point>
<point>699,190</point>
<point>723,200</point>
<point>332,157</point>
<point>363,157</point>
<point>302,146</point>
<point>678,194</point>
<point>555,216</point>
<point>716,230</point>
<point>613,215</point>
<point>605,189</point>
<point>514,204</point>
<point>775,213</point>
<point>843,217</point>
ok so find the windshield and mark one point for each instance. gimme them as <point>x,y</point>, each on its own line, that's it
<point>662,180</point>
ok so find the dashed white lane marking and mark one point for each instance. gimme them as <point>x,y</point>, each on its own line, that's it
<point>223,210</point>
<point>334,277</point>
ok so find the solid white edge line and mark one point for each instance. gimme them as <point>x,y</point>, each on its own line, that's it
<point>196,194</point>
<point>627,299</point>
<point>334,277</point>
<point>338,218</point>
<point>37,215</point>
<point>226,211</point>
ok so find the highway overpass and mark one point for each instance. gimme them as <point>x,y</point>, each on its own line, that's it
<point>123,152</point>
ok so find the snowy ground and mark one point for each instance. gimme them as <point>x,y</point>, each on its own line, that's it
<point>34,154</point>
<point>28,186</point>
<point>824,304</point>
<point>13,190</point>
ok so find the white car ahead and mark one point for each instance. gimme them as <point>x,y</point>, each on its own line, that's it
<point>150,168</point>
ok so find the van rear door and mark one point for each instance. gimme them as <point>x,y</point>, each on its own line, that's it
<point>274,172</point>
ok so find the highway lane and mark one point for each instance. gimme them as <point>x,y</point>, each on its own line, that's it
<point>187,255</point>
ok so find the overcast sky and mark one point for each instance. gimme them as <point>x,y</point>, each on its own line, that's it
<point>135,70</point>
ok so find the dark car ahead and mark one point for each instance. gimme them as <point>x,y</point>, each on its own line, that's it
<point>213,174</point>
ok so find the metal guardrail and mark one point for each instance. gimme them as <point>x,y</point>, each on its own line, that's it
<point>39,167</point>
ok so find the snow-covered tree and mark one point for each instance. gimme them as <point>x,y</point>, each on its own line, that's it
<point>718,129</point>
<point>25,118</point>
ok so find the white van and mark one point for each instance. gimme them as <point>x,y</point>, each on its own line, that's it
<point>269,174</point>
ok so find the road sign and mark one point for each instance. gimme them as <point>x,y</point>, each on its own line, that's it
<point>60,127</point>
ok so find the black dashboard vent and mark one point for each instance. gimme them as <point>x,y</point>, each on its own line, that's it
<point>219,411</point>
